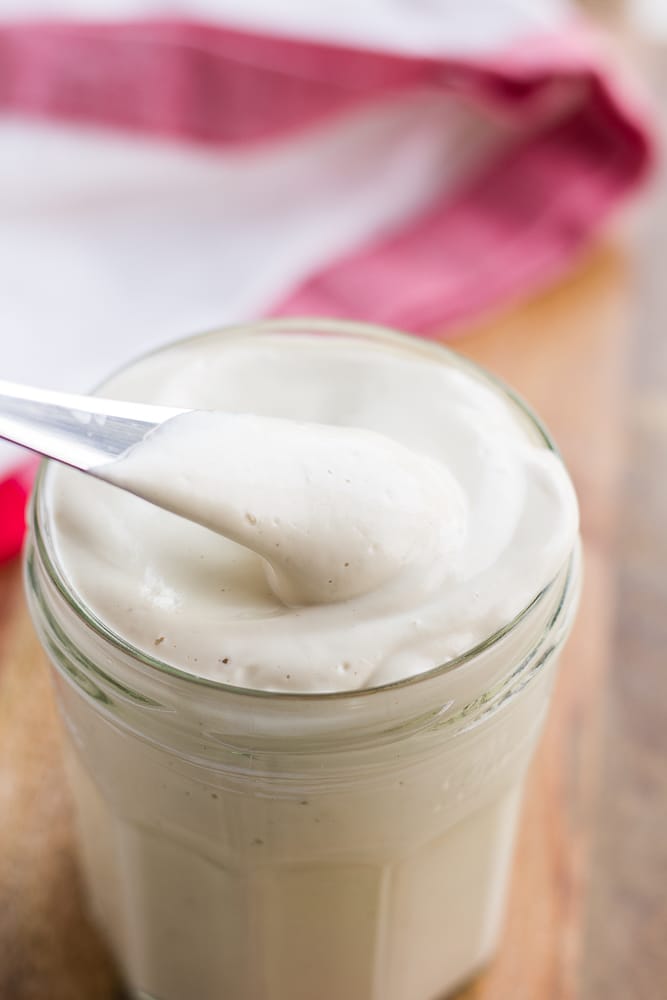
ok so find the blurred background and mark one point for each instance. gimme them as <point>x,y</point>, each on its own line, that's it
<point>487,173</point>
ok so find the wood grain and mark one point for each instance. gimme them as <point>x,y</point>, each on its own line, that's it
<point>48,948</point>
<point>625,943</point>
<point>565,352</point>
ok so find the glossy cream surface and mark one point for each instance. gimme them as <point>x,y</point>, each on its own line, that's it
<point>355,512</point>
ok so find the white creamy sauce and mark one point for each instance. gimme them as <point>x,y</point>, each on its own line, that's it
<point>334,512</point>
<point>351,513</point>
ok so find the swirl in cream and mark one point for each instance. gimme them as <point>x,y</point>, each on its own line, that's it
<point>354,513</point>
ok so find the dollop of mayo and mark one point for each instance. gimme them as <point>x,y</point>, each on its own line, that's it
<point>334,512</point>
<point>345,512</point>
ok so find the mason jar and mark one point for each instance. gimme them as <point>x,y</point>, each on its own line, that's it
<point>239,844</point>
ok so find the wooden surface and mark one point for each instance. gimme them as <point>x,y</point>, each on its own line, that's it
<point>48,950</point>
<point>567,352</point>
<point>625,939</point>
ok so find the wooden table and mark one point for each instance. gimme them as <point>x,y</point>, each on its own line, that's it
<point>587,915</point>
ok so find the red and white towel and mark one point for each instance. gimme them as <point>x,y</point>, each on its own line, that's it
<point>409,163</point>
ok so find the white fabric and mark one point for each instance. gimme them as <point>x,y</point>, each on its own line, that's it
<point>459,27</point>
<point>651,17</point>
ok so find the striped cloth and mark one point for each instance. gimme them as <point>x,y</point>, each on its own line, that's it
<point>414,164</point>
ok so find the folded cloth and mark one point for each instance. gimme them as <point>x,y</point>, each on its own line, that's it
<point>414,165</point>
<point>14,491</point>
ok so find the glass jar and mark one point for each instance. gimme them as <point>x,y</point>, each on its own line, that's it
<point>245,845</point>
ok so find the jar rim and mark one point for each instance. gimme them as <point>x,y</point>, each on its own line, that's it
<point>376,332</point>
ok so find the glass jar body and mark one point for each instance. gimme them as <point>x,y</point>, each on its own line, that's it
<point>284,848</point>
